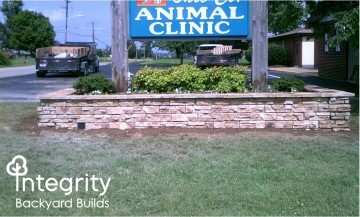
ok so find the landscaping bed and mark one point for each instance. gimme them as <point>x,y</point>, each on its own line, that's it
<point>318,108</point>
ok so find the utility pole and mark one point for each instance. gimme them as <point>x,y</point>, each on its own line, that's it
<point>259,59</point>
<point>119,10</point>
<point>66,20</point>
<point>93,31</point>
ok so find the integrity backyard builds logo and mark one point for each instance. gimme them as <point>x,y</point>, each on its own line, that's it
<point>18,167</point>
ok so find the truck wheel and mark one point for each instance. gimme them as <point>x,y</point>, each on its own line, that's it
<point>97,68</point>
<point>85,71</point>
<point>40,74</point>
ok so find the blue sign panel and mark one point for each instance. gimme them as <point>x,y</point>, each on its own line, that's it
<point>178,19</point>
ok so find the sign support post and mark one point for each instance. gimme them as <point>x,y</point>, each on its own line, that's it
<point>259,59</point>
<point>119,10</point>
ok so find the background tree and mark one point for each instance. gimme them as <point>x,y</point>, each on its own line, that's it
<point>31,30</point>
<point>285,16</point>
<point>146,46</point>
<point>131,49</point>
<point>9,8</point>
<point>344,14</point>
<point>180,47</point>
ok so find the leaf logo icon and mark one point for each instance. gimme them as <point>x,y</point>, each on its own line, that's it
<point>17,166</point>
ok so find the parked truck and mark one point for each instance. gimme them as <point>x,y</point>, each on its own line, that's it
<point>216,55</point>
<point>71,57</point>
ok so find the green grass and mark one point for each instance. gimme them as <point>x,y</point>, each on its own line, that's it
<point>244,174</point>
<point>17,62</point>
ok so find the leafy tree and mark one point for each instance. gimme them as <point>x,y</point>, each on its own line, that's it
<point>9,8</point>
<point>146,47</point>
<point>285,16</point>
<point>131,49</point>
<point>344,14</point>
<point>180,47</point>
<point>31,30</point>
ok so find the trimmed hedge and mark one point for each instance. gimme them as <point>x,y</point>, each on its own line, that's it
<point>288,84</point>
<point>94,84</point>
<point>277,55</point>
<point>188,78</point>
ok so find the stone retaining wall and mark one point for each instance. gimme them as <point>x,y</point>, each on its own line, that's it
<point>324,109</point>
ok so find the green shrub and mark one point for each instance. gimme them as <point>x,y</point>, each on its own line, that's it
<point>188,78</point>
<point>248,54</point>
<point>4,60</point>
<point>287,84</point>
<point>95,84</point>
<point>277,55</point>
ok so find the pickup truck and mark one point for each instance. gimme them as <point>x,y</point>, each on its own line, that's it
<point>216,55</point>
<point>72,57</point>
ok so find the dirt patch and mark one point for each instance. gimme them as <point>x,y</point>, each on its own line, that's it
<point>205,133</point>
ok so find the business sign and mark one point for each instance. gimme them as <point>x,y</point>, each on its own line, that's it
<point>179,19</point>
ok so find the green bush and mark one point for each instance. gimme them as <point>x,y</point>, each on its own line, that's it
<point>248,54</point>
<point>4,60</point>
<point>95,84</point>
<point>188,78</point>
<point>277,55</point>
<point>287,84</point>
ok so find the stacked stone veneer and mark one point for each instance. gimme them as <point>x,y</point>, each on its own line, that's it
<point>324,109</point>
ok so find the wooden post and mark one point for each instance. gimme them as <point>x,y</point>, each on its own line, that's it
<point>119,9</point>
<point>259,13</point>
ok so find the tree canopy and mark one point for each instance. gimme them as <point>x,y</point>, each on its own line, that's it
<point>9,8</point>
<point>285,16</point>
<point>344,15</point>
<point>31,30</point>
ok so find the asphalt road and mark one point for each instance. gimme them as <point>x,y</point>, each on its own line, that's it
<point>22,84</point>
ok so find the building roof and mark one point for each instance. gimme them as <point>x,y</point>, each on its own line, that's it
<point>295,32</point>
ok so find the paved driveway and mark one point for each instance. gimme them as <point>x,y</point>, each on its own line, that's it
<point>21,83</point>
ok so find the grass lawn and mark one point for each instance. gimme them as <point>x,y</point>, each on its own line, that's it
<point>17,62</point>
<point>245,173</point>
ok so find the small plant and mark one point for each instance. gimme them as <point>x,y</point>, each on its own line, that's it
<point>4,60</point>
<point>288,85</point>
<point>96,84</point>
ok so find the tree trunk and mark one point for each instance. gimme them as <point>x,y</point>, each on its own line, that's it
<point>182,58</point>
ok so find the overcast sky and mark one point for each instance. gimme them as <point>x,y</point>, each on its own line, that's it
<point>81,15</point>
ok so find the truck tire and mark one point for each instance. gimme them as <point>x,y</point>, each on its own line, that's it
<point>97,68</point>
<point>40,74</point>
<point>85,71</point>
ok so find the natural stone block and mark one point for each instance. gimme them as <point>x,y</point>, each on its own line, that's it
<point>196,123</point>
<point>158,117</point>
<point>173,109</point>
<point>156,102</point>
<point>182,102</point>
<point>115,110</point>
<point>209,102</point>
<point>183,117</point>
<point>150,109</point>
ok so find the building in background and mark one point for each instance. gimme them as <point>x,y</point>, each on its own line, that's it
<point>300,46</point>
